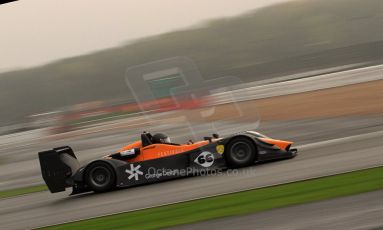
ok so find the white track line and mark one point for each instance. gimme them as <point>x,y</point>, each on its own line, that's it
<point>301,85</point>
<point>340,140</point>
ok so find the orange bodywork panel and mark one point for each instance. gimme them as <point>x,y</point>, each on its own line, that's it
<point>281,144</point>
<point>136,144</point>
<point>156,151</point>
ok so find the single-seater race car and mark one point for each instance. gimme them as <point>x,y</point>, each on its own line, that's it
<point>155,158</point>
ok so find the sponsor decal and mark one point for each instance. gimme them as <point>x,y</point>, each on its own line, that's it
<point>134,172</point>
<point>169,152</point>
<point>163,172</point>
<point>129,152</point>
<point>220,149</point>
<point>205,159</point>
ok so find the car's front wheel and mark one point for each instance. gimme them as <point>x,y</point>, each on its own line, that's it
<point>100,177</point>
<point>240,152</point>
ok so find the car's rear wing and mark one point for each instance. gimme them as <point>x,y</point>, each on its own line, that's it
<point>57,167</point>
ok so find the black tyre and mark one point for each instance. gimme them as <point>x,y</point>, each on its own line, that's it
<point>100,177</point>
<point>240,152</point>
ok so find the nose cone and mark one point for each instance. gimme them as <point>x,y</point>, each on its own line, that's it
<point>285,145</point>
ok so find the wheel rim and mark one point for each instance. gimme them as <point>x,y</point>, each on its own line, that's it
<point>99,176</point>
<point>241,151</point>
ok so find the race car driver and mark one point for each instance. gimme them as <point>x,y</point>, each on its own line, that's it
<point>160,138</point>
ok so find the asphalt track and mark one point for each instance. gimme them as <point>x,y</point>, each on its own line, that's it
<point>362,211</point>
<point>316,159</point>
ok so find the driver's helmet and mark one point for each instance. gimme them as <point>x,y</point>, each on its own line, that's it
<point>160,138</point>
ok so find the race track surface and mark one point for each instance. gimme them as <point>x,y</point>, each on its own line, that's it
<point>317,159</point>
<point>362,211</point>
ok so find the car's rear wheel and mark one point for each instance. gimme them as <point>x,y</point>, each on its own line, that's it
<point>241,152</point>
<point>100,177</point>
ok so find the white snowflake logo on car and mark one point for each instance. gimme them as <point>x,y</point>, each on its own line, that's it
<point>134,172</point>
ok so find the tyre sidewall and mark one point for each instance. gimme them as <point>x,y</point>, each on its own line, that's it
<point>105,167</point>
<point>233,160</point>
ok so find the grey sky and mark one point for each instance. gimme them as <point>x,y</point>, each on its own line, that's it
<point>34,32</point>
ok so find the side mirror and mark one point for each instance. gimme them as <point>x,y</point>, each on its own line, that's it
<point>208,139</point>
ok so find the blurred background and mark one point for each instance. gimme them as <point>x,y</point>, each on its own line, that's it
<point>278,40</point>
<point>305,70</point>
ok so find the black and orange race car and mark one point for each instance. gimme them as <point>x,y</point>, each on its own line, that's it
<point>155,158</point>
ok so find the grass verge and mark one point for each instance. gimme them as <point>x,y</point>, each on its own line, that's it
<point>238,203</point>
<point>22,191</point>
